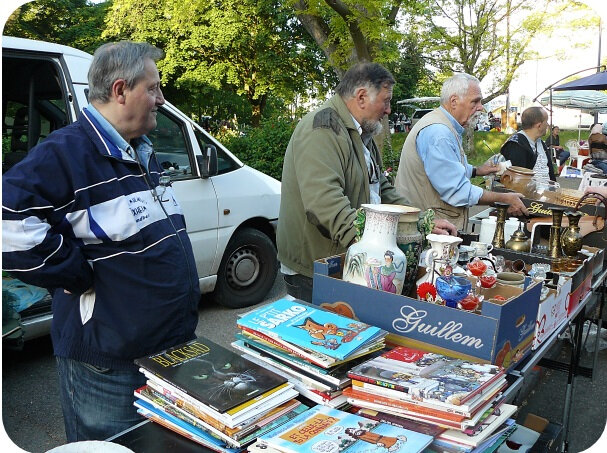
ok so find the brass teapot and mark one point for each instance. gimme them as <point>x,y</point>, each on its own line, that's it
<point>519,241</point>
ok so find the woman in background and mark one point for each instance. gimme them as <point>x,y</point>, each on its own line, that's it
<point>597,143</point>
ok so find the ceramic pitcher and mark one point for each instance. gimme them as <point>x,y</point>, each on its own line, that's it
<point>443,249</point>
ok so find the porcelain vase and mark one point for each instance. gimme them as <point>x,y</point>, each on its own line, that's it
<point>410,241</point>
<point>376,261</point>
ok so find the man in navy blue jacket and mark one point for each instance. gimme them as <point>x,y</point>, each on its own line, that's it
<point>85,215</point>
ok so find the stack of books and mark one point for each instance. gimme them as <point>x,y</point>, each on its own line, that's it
<point>213,396</point>
<point>324,429</point>
<point>462,398</point>
<point>314,349</point>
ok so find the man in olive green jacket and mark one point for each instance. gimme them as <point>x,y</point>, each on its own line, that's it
<point>332,165</point>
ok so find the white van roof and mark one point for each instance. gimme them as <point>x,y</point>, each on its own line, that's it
<point>79,61</point>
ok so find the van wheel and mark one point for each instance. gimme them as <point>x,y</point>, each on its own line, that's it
<point>247,271</point>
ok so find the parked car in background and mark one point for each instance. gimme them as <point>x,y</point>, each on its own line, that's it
<point>418,114</point>
<point>231,209</point>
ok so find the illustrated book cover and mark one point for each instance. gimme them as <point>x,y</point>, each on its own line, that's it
<point>311,328</point>
<point>211,374</point>
<point>325,429</point>
<point>454,381</point>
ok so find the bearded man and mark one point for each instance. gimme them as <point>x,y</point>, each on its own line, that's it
<point>332,165</point>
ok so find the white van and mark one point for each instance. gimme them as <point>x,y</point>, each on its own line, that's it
<point>231,209</point>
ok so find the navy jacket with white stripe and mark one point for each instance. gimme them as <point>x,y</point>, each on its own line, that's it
<point>80,215</point>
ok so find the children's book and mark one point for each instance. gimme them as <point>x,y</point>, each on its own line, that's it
<point>336,375</point>
<point>419,427</point>
<point>211,374</point>
<point>324,429</point>
<point>413,360</point>
<point>454,381</point>
<point>491,425</point>
<point>185,429</point>
<point>303,389</point>
<point>467,408</point>
<point>237,417</point>
<point>307,328</point>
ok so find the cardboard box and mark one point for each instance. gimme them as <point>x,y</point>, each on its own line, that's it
<point>552,312</point>
<point>577,294</point>
<point>599,256</point>
<point>535,435</point>
<point>502,334</point>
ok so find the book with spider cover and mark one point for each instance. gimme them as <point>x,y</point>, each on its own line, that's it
<point>213,375</point>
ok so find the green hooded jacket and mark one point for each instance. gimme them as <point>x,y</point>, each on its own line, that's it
<point>324,182</point>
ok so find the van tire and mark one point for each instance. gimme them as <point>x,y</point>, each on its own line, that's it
<point>247,271</point>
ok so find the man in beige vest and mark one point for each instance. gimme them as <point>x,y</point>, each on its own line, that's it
<point>434,172</point>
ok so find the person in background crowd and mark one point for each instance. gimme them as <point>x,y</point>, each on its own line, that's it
<point>554,142</point>
<point>85,216</point>
<point>434,171</point>
<point>527,149</point>
<point>597,144</point>
<point>332,165</point>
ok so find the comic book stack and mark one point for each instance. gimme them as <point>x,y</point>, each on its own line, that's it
<point>325,429</point>
<point>311,347</point>
<point>213,396</point>
<point>462,398</point>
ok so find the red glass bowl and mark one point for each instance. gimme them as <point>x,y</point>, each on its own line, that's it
<point>487,281</point>
<point>477,268</point>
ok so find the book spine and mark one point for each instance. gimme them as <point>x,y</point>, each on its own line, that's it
<point>403,405</point>
<point>293,359</point>
<point>400,396</point>
<point>378,382</point>
<point>292,368</point>
<point>287,347</point>
<point>483,387</point>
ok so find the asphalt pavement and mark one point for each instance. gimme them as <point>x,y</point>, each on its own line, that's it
<point>31,413</point>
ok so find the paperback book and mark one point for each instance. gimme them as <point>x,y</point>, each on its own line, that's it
<point>237,417</point>
<point>304,329</point>
<point>444,379</point>
<point>467,409</point>
<point>333,430</point>
<point>185,429</point>
<point>211,374</point>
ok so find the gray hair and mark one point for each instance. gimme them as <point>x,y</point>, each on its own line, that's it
<point>119,60</point>
<point>371,76</point>
<point>458,85</point>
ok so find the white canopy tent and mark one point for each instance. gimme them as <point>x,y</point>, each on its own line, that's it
<point>586,101</point>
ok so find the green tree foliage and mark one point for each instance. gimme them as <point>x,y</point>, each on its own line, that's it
<point>264,147</point>
<point>251,47</point>
<point>489,39</point>
<point>350,31</point>
<point>75,23</point>
<point>408,70</point>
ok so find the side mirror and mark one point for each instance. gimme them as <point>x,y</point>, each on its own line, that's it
<point>207,162</point>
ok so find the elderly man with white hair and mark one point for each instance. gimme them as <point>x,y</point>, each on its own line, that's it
<point>434,171</point>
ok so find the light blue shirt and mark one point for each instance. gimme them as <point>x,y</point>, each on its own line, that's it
<point>439,151</point>
<point>143,146</point>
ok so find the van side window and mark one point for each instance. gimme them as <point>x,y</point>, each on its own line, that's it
<point>28,118</point>
<point>171,147</point>
<point>225,163</point>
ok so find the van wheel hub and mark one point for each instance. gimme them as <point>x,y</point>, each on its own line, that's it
<point>242,268</point>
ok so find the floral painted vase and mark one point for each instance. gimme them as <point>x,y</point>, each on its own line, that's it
<point>410,241</point>
<point>376,261</point>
